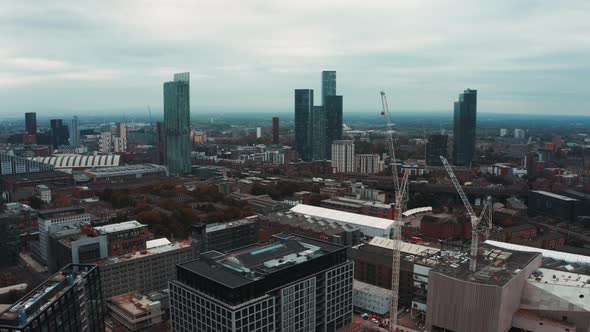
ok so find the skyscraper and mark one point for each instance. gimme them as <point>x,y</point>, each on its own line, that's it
<point>318,135</point>
<point>275,130</point>
<point>31,123</point>
<point>177,120</point>
<point>74,132</point>
<point>333,112</point>
<point>464,128</point>
<point>161,139</point>
<point>303,117</point>
<point>436,147</point>
<point>59,133</point>
<point>120,143</point>
<point>328,84</point>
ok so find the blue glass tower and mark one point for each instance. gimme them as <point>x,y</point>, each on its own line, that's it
<point>177,123</point>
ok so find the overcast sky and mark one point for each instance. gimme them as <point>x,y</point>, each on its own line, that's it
<point>248,55</point>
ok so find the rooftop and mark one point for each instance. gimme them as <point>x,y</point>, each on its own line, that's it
<point>558,255</point>
<point>80,161</point>
<point>553,195</point>
<point>126,170</point>
<point>124,226</point>
<point>225,225</point>
<point>405,247</point>
<point>316,224</point>
<point>352,218</point>
<point>252,263</point>
<point>145,253</point>
<point>370,289</point>
<point>135,303</point>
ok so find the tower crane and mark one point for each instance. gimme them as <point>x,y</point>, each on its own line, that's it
<point>401,190</point>
<point>486,214</point>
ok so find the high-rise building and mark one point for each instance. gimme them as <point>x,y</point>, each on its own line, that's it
<point>436,147</point>
<point>293,283</point>
<point>318,127</point>
<point>503,132</point>
<point>31,123</point>
<point>120,142</point>
<point>275,130</point>
<point>464,128</point>
<point>59,133</point>
<point>105,142</point>
<point>343,157</point>
<point>333,111</point>
<point>328,84</point>
<point>161,139</point>
<point>74,132</point>
<point>368,163</point>
<point>177,120</point>
<point>303,117</point>
<point>519,133</point>
<point>258,132</point>
<point>70,300</point>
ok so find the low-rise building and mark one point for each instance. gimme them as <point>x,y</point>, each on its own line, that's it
<point>369,298</point>
<point>368,208</point>
<point>127,172</point>
<point>43,193</point>
<point>125,237</point>
<point>224,236</point>
<point>137,312</point>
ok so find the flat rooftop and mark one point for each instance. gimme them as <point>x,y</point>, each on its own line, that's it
<point>352,218</point>
<point>553,195</point>
<point>225,225</point>
<point>329,227</point>
<point>134,303</point>
<point>370,289</point>
<point>123,226</point>
<point>252,263</point>
<point>495,266</point>
<point>144,253</point>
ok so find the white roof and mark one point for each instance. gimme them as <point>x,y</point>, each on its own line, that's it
<point>546,193</point>
<point>572,258</point>
<point>408,248</point>
<point>80,161</point>
<point>156,243</point>
<point>360,286</point>
<point>417,210</point>
<point>347,217</point>
<point>118,227</point>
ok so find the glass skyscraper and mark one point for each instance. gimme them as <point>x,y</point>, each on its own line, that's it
<point>318,141</point>
<point>303,118</point>
<point>31,123</point>
<point>328,84</point>
<point>464,128</point>
<point>74,133</point>
<point>177,124</point>
<point>333,111</point>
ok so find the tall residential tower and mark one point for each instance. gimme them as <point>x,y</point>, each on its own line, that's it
<point>177,122</point>
<point>464,128</point>
<point>31,123</point>
<point>303,118</point>
<point>74,132</point>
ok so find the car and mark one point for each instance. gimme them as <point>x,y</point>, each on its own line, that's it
<point>375,321</point>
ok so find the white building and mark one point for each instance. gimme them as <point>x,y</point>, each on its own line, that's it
<point>369,298</point>
<point>258,132</point>
<point>53,223</point>
<point>368,163</point>
<point>369,226</point>
<point>503,132</point>
<point>343,156</point>
<point>105,142</point>
<point>43,193</point>
<point>120,142</point>
<point>519,133</point>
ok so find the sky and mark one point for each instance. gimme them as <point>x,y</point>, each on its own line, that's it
<point>249,55</point>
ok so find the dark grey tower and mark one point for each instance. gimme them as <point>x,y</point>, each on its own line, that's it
<point>31,123</point>
<point>177,124</point>
<point>436,147</point>
<point>328,84</point>
<point>303,117</point>
<point>333,111</point>
<point>464,128</point>
<point>318,135</point>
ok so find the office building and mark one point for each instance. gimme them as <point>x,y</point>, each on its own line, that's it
<point>74,132</point>
<point>68,245</point>
<point>224,236</point>
<point>370,298</point>
<point>343,157</point>
<point>436,147</point>
<point>31,123</point>
<point>59,133</point>
<point>105,142</point>
<point>294,283</point>
<point>12,165</point>
<point>177,124</point>
<point>124,237</point>
<point>464,129</point>
<point>318,135</point>
<point>546,203</point>
<point>328,84</point>
<point>145,271</point>
<point>138,312</point>
<point>303,125</point>
<point>70,300</point>
<point>333,112</point>
<point>368,163</point>
<point>275,130</point>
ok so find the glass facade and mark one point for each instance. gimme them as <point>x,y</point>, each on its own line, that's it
<point>333,110</point>
<point>464,128</point>
<point>436,147</point>
<point>328,84</point>
<point>31,123</point>
<point>303,118</point>
<point>177,124</point>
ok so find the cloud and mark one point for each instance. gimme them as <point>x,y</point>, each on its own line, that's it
<point>521,55</point>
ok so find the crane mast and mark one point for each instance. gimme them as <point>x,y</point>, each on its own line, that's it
<point>401,190</point>
<point>475,220</point>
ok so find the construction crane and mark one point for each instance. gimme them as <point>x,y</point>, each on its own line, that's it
<point>401,190</point>
<point>475,220</point>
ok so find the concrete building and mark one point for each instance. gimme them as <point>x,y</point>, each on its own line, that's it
<point>224,236</point>
<point>464,129</point>
<point>74,132</point>
<point>503,132</point>
<point>343,160</point>
<point>144,271</point>
<point>138,312</point>
<point>105,142</point>
<point>70,300</point>
<point>69,246</point>
<point>177,124</point>
<point>519,133</point>
<point>275,130</point>
<point>368,208</point>
<point>291,284</point>
<point>120,142</point>
<point>368,163</point>
<point>127,172</point>
<point>43,193</point>
<point>554,205</point>
<point>371,299</point>
<point>125,237</point>
<point>369,226</point>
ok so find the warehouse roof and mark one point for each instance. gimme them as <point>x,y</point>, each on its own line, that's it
<point>351,218</point>
<point>80,161</point>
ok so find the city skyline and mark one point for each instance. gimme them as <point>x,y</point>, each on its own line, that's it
<point>501,49</point>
